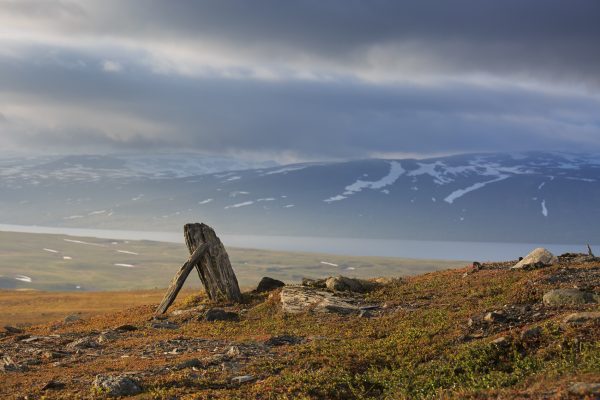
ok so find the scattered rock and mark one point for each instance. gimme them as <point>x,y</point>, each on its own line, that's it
<point>233,351</point>
<point>13,329</point>
<point>539,257</point>
<point>314,283</point>
<point>283,340</point>
<point>53,355</point>
<point>494,316</point>
<point>193,310</point>
<point>52,384</point>
<point>8,365</point>
<point>585,389</point>
<point>192,363</point>
<point>242,379</point>
<point>126,328</point>
<point>345,284</point>
<point>582,318</point>
<point>531,335</point>
<point>568,297</point>
<point>84,342</point>
<point>107,336</point>
<point>164,325</point>
<point>116,385</point>
<point>502,341</point>
<point>71,318</point>
<point>218,314</point>
<point>267,284</point>
<point>297,299</point>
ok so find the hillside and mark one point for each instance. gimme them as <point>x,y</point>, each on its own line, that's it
<point>459,333</point>
<point>550,197</point>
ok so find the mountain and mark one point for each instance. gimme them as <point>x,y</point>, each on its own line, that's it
<point>535,197</point>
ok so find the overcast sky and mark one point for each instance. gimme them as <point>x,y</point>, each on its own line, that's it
<point>300,80</point>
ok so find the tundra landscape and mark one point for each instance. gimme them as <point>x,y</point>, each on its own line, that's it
<point>341,199</point>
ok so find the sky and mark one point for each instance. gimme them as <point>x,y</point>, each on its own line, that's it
<point>301,80</point>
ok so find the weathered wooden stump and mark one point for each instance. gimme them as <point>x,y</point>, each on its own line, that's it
<point>214,268</point>
<point>209,257</point>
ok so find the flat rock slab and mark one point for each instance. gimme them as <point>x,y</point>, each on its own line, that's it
<point>585,389</point>
<point>582,318</point>
<point>538,257</point>
<point>298,299</point>
<point>569,297</point>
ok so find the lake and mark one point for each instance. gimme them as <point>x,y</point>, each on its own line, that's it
<point>443,250</point>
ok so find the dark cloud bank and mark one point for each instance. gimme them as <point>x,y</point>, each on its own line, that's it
<point>311,79</point>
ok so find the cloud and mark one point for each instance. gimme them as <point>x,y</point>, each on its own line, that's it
<point>307,79</point>
<point>111,66</point>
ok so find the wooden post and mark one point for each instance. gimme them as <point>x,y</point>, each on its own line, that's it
<point>214,268</point>
<point>210,258</point>
<point>180,278</point>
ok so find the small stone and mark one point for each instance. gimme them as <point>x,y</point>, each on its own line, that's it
<point>585,389</point>
<point>84,342</point>
<point>494,316</point>
<point>8,365</point>
<point>233,351</point>
<point>470,322</point>
<point>582,318</point>
<point>126,328</point>
<point>71,318</point>
<point>105,337</point>
<point>52,384</point>
<point>283,340</point>
<point>13,329</point>
<point>314,283</point>
<point>502,341</point>
<point>192,363</point>
<point>116,385</point>
<point>531,334</point>
<point>164,325</point>
<point>242,379</point>
<point>539,257</point>
<point>267,284</point>
<point>52,355</point>
<point>218,314</point>
<point>569,297</point>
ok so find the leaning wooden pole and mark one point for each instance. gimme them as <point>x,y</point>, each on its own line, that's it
<point>180,277</point>
<point>214,268</point>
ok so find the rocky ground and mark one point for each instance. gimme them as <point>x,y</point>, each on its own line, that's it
<point>483,331</point>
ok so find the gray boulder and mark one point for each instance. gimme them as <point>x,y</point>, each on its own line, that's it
<point>345,284</point>
<point>539,257</point>
<point>116,385</point>
<point>267,284</point>
<point>568,297</point>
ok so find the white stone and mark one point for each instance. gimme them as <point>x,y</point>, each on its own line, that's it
<point>539,255</point>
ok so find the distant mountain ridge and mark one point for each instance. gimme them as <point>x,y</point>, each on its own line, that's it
<point>534,197</point>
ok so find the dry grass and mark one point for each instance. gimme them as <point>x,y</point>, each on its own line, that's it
<point>30,307</point>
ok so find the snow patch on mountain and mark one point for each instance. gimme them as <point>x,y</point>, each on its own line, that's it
<point>544,209</point>
<point>461,192</point>
<point>396,171</point>
<point>284,170</point>
<point>238,205</point>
